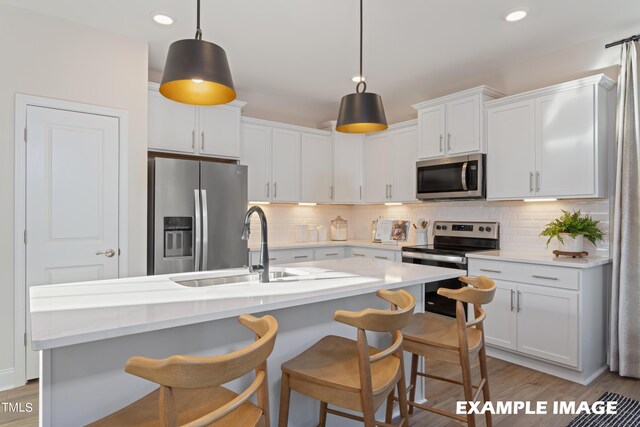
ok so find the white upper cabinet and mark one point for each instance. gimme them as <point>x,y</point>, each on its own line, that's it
<point>453,124</point>
<point>182,128</point>
<point>553,142</point>
<point>255,153</point>
<point>316,183</point>
<point>348,161</point>
<point>390,165</point>
<point>285,165</point>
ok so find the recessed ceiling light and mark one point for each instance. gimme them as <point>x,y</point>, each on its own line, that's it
<point>516,14</point>
<point>162,19</point>
<point>357,79</point>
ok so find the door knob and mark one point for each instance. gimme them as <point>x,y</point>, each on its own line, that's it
<point>108,253</point>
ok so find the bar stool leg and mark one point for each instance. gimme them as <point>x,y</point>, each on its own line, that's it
<point>389,413</point>
<point>323,414</point>
<point>413,380</point>
<point>466,382</point>
<point>484,374</point>
<point>402,398</point>
<point>285,396</point>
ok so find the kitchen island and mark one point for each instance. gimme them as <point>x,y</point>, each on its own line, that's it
<point>88,330</point>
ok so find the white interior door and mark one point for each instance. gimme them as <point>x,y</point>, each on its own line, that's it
<point>71,201</point>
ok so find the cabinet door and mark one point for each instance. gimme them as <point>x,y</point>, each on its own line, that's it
<point>172,125</point>
<point>463,125</point>
<point>348,150</point>
<point>316,183</point>
<point>548,323</point>
<point>219,131</point>
<point>285,165</point>
<point>566,143</point>
<point>376,168</point>
<point>256,154</point>
<point>511,151</point>
<point>403,155</point>
<point>432,132</point>
<point>500,323</point>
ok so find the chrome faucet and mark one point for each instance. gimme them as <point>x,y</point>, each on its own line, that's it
<point>263,268</point>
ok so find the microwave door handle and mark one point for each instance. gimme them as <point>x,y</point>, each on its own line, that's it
<point>196,230</point>
<point>205,231</point>
<point>463,176</point>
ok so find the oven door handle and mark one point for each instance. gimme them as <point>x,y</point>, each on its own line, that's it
<point>463,176</point>
<point>435,257</point>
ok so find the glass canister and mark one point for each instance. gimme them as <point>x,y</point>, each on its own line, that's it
<point>374,228</point>
<point>339,229</point>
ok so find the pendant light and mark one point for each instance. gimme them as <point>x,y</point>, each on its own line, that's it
<point>361,112</point>
<point>197,72</point>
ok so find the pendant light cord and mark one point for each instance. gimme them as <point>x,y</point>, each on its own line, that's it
<point>361,82</point>
<point>198,30</point>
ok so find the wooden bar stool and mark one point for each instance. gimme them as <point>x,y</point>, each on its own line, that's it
<point>190,392</point>
<point>442,338</point>
<point>351,374</point>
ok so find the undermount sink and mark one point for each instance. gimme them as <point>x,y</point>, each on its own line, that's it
<point>239,278</point>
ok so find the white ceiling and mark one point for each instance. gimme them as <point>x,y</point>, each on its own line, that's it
<point>292,60</point>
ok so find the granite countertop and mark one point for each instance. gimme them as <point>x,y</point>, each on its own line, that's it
<point>68,314</point>
<point>542,258</point>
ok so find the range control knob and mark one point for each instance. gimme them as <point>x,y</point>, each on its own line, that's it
<point>444,227</point>
<point>481,228</point>
<point>438,227</point>
<point>488,228</point>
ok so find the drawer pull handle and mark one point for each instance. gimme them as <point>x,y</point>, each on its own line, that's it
<point>272,259</point>
<point>544,277</point>
<point>381,257</point>
<point>519,294</point>
<point>490,271</point>
<point>358,254</point>
<point>333,254</point>
<point>512,292</point>
<point>301,256</point>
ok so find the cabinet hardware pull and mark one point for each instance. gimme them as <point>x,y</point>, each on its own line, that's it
<point>449,141</point>
<point>544,277</point>
<point>301,256</point>
<point>361,192</point>
<point>202,145</point>
<point>490,271</point>
<point>272,259</point>
<point>391,191</point>
<point>381,257</point>
<point>267,188</point>
<point>358,254</point>
<point>275,190</point>
<point>193,139</point>
<point>537,181</point>
<point>512,292</point>
<point>518,301</point>
<point>530,182</point>
<point>331,192</point>
<point>441,147</point>
<point>333,254</point>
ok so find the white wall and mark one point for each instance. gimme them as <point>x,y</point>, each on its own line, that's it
<point>55,58</point>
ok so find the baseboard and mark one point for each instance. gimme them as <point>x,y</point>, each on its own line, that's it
<point>6,379</point>
<point>567,373</point>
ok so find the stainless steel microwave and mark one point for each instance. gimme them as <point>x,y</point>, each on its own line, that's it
<point>451,178</point>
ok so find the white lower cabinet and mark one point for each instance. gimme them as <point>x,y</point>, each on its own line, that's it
<point>329,253</point>
<point>288,256</point>
<point>547,317</point>
<point>385,254</point>
<point>284,256</point>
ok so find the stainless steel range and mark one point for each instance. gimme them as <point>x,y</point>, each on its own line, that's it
<point>451,242</point>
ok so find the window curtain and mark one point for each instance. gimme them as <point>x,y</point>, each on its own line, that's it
<point>624,356</point>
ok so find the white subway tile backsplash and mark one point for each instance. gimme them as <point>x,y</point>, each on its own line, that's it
<point>520,222</point>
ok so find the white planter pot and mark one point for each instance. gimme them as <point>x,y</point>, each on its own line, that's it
<point>571,244</point>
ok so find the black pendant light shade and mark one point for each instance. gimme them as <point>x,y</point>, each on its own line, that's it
<point>361,113</point>
<point>197,72</point>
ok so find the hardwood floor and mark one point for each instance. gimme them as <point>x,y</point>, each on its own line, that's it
<point>507,382</point>
<point>22,396</point>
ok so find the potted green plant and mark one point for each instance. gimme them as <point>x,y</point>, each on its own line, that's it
<point>571,229</point>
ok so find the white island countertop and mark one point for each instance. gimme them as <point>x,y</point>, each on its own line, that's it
<point>68,314</point>
<point>542,258</point>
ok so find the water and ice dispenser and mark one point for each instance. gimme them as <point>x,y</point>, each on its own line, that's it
<point>178,236</point>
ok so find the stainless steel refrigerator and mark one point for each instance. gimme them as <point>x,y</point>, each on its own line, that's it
<point>195,215</point>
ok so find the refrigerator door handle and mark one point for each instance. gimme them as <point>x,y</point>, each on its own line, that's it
<point>205,230</point>
<point>196,230</point>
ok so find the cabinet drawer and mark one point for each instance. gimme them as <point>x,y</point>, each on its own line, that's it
<point>556,277</point>
<point>384,254</point>
<point>284,256</point>
<point>329,253</point>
